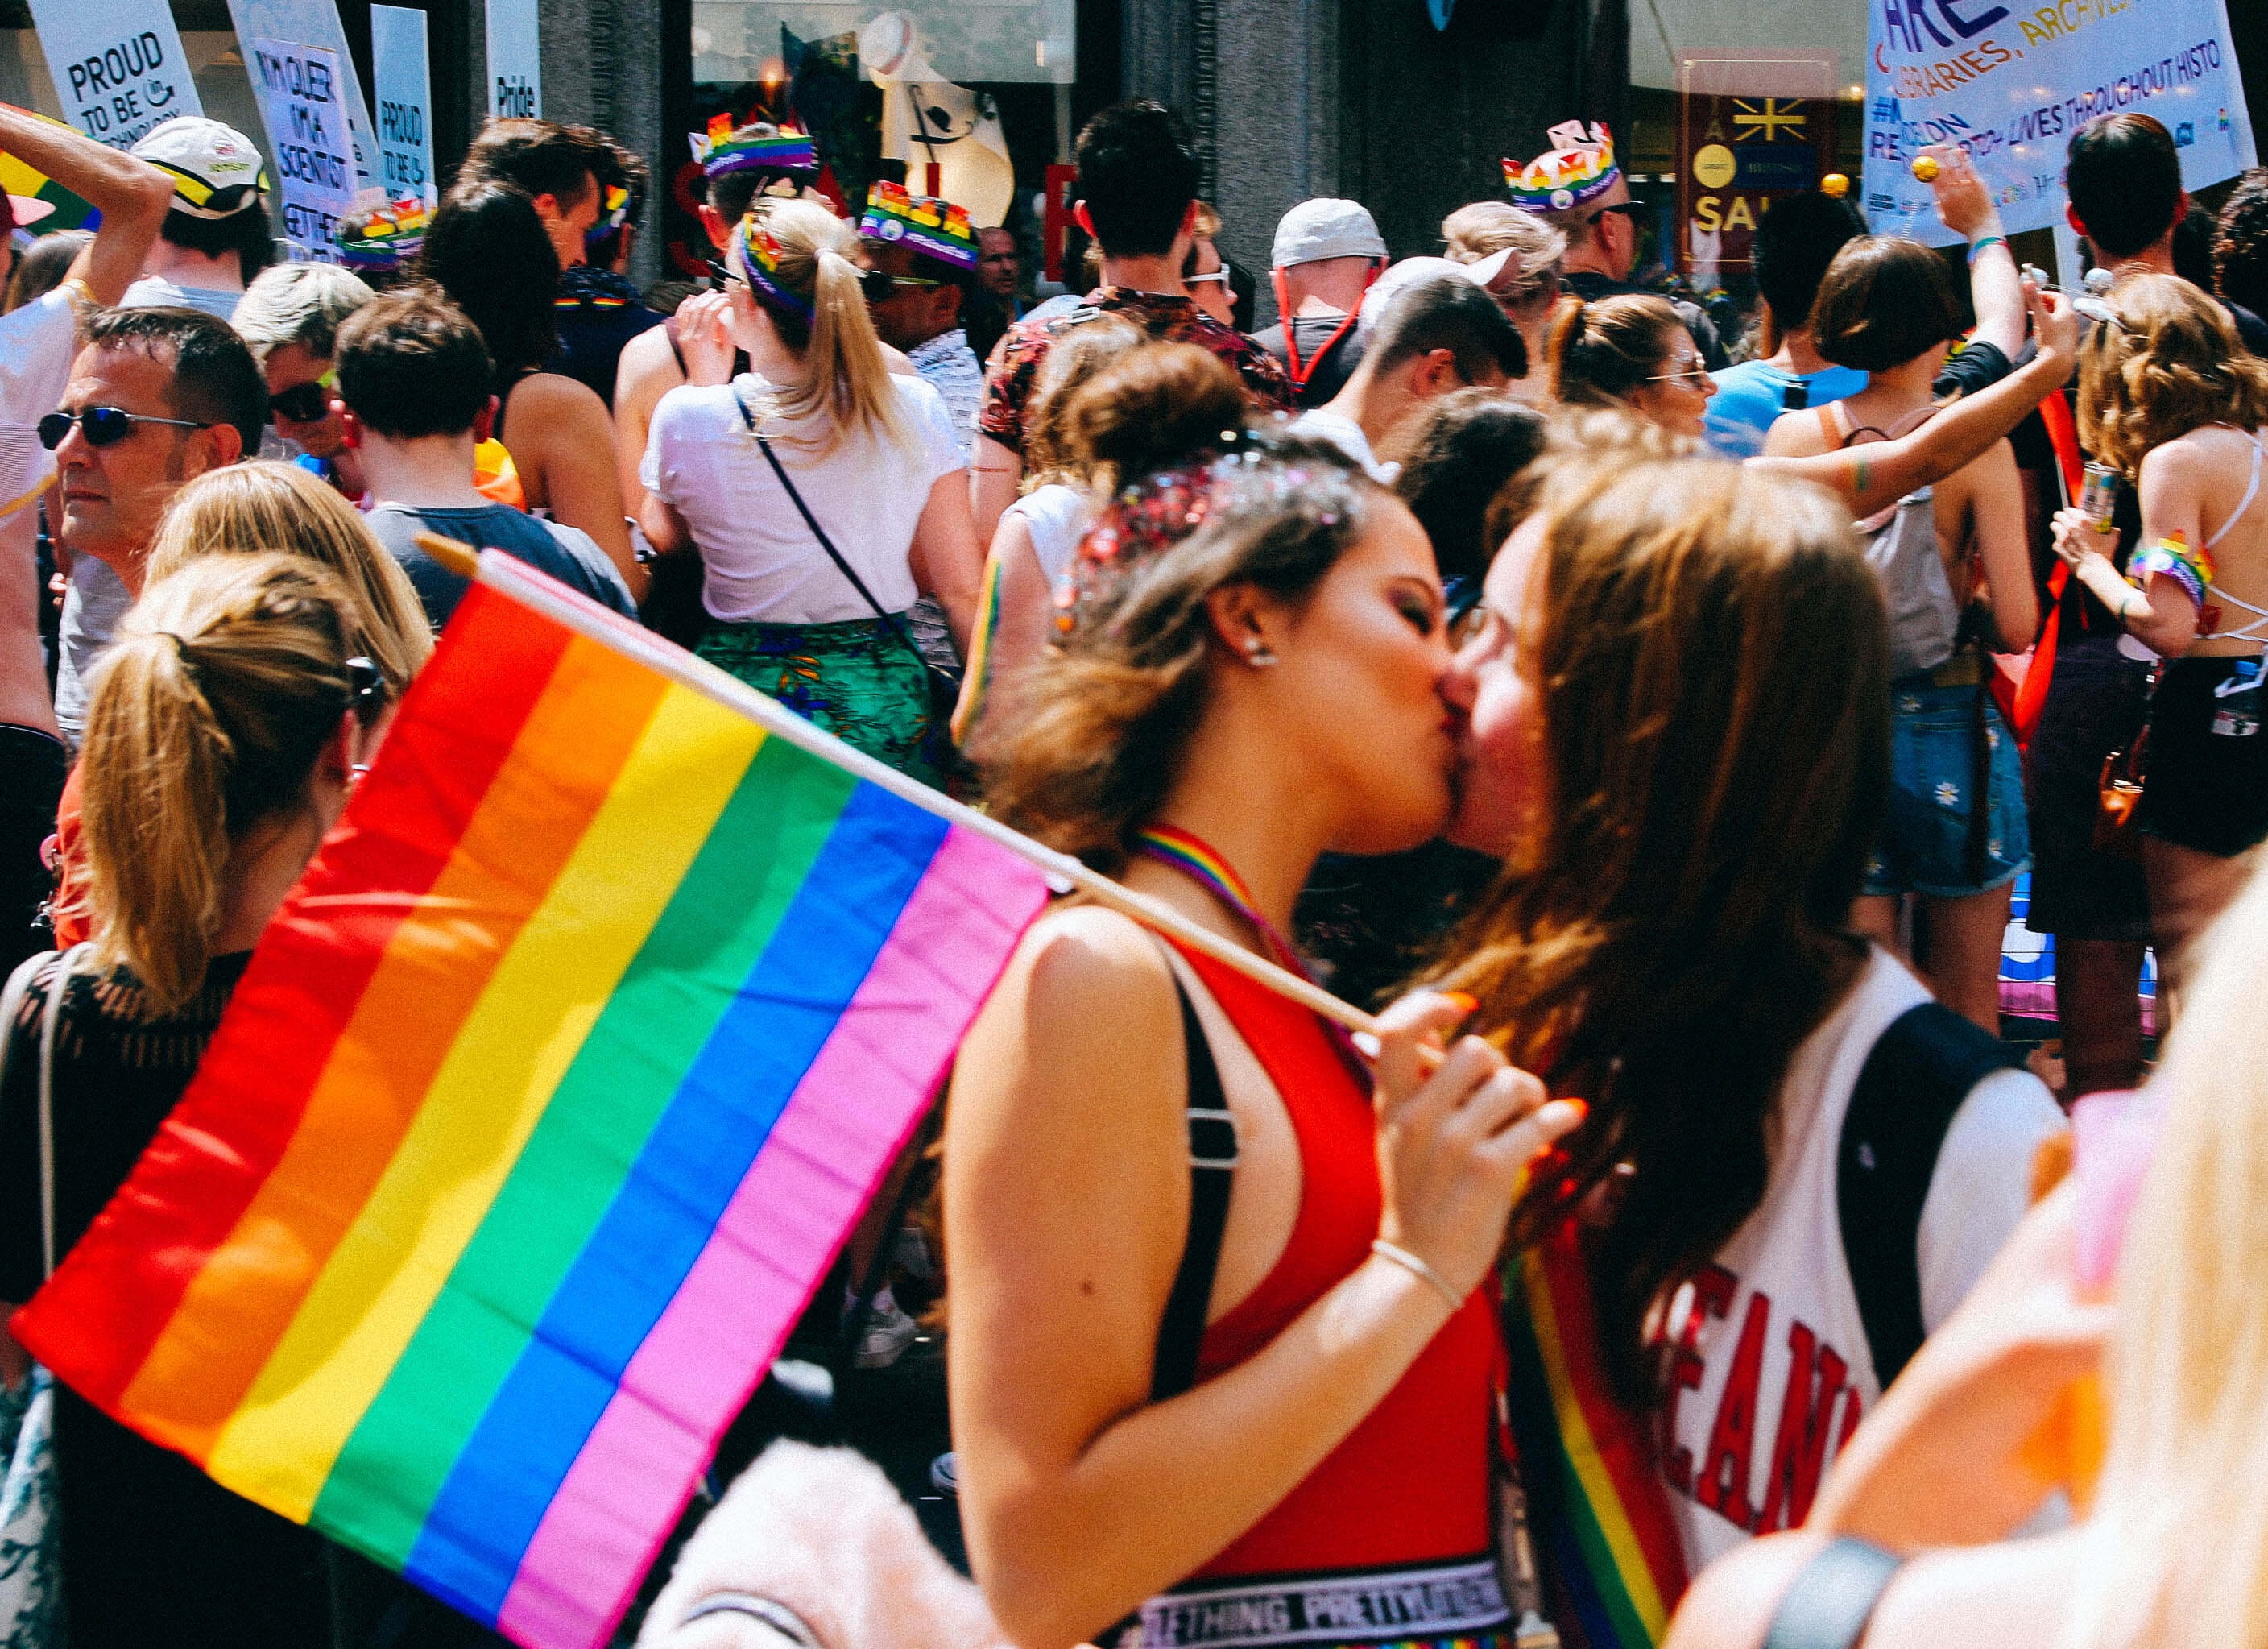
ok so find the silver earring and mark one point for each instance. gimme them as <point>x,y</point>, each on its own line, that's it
<point>1259,655</point>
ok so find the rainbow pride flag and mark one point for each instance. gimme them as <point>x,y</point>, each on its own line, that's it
<point>540,1112</point>
<point>1606,1542</point>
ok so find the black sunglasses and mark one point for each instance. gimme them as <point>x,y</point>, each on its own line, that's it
<point>303,403</point>
<point>103,426</point>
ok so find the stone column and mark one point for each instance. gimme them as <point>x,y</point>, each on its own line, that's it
<point>602,68</point>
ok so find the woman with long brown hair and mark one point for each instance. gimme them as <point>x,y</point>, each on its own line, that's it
<point>1631,351</point>
<point>1678,743</point>
<point>1168,1401</point>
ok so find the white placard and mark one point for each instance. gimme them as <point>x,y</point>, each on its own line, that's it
<point>304,103</point>
<point>404,93</point>
<point>2011,83</point>
<point>313,23</point>
<point>515,59</point>
<point>118,66</point>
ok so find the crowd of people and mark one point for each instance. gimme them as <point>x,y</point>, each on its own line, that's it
<point>1653,739</point>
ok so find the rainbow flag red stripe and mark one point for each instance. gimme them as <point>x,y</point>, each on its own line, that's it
<point>1613,1564</point>
<point>540,1113</point>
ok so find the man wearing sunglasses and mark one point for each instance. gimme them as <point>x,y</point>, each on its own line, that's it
<point>157,397</point>
<point>1579,190</point>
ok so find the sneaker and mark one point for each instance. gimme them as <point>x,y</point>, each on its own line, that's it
<point>887,1333</point>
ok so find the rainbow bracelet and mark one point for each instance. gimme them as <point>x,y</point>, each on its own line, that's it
<point>1982,244</point>
<point>2172,557</point>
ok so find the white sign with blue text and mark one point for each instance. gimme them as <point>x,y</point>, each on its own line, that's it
<point>403,89</point>
<point>118,67</point>
<point>303,101</point>
<point>2010,80</point>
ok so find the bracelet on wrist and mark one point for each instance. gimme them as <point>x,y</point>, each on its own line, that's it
<point>1417,1267</point>
<point>1978,246</point>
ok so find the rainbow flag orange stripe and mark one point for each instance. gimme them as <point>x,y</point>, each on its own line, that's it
<point>540,1113</point>
<point>1598,1510</point>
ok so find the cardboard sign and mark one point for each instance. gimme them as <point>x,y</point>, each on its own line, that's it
<point>313,23</point>
<point>1752,128</point>
<point>515,60</point>
<point>404,90</point>
<point>303,101</point>
<point>118,66</point>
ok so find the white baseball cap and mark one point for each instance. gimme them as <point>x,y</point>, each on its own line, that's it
<point>1319,229</point>
<point>1417,272</point>
<point>217,173</point>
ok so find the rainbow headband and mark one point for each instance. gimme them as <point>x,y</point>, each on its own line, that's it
<point>760,261</point>
<point>934,228</point>
<point>724,149</point>
<point>1579,169</point>
<point>385,236</point>
<point>614,211</point>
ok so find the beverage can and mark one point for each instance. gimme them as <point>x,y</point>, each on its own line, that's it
<point>2098,495</point>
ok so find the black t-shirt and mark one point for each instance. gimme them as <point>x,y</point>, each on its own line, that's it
<point>1329,364</point>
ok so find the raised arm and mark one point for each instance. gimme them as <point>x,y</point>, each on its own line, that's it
<point>131,195</point>
<point>1996,290</point>
<point>1867,477</point>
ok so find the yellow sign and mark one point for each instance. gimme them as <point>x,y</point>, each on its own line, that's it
<point>1713,166</point>
<point>1768,121</point>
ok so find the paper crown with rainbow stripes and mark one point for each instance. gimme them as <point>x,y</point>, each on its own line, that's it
<point>935,228</point>
<point>383,236</point>
<point>1580,168</point>
<point>758,146</point>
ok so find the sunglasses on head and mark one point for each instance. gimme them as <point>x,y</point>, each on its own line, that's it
<point>305,403</point>
<point>103,426</point>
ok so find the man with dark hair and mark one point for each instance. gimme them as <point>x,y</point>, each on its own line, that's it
<point>1441,335</point>
<point>1137,185</point>
<point>414,403</point>
<point>928,250</point>
<point>216,236</point>
<point>1795,242</point>
<point>559,167</point>
<point>599,309</point>
<point>2240,245</point>
<point>2123,176</point>
<point>157,397</point>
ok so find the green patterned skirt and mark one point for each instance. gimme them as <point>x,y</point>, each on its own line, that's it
<point>854,679</point>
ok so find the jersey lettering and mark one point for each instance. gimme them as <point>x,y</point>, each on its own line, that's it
<point>1724,1483</point>
<point>1807,1414</point>
<point>1712,1297</point>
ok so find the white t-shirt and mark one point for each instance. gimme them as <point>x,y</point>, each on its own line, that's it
<point>1058,517</point>
<point>1743,1462</point>
<point>38,344</point>
<point>1345,433</point>
<point>762,564</point>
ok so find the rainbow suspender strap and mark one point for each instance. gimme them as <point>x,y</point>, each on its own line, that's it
<point>1613,1564</point>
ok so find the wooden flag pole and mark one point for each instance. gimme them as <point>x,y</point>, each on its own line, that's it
<point>586,618</point>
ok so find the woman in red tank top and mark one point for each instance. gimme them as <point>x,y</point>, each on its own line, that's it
<point>1290,1445</point>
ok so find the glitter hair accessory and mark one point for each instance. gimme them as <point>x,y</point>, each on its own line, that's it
<point>935,228</point>
<point>758,255</point>
<point>383,236</point>
<point>759,146</point>
<point>1579,169</point>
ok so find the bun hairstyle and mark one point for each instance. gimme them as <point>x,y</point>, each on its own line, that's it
<point>207,717</point>
<point>249,508</point>
<point>795,255</point>
<point>1077,354</point>
<point>1601,352</point>
<point>1487,227</point>
<point>2171,363</point>
<point>1113,708</point>
<point>1159,406</point>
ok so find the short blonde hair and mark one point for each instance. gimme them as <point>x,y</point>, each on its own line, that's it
<point>1485,228</point>
<point>297,303</point>
<point>249,508</point>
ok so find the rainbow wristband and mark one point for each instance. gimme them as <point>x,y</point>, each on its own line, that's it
<point>2171,557</point>
<point>1977,247</point>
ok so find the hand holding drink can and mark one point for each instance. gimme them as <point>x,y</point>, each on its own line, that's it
<point>2098,495</point>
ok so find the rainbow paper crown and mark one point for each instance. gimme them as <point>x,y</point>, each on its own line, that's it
<point>760,262</point>
<point>383,236</point>
<point>1580,168</point>
<point>757,147</point>
<point>934,228</point>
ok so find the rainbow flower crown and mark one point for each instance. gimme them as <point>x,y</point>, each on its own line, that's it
<point>1580,168</point>
<point>759,146</point>
<point>383,236</point>
<point>760,261</point>
<point>935,228</point>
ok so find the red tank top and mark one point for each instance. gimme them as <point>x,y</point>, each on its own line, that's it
<point>1410,1483</point>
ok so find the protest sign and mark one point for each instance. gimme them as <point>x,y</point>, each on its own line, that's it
<point>404,92</point>
<point>118,67</point>
<point>515,60</point>
<point>2010,83</point>
<point>313,23</point>
<point>304,103</point>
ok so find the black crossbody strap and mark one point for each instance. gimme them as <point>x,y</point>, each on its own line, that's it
<point>889,620</point>
<point>1833,1597</point>
<point>1212,1172</point>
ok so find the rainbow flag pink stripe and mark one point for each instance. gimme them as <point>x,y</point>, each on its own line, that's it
<point>543,1107</point>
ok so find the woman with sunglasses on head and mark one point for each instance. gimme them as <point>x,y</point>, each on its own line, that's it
<point>822,493</point>
<point>226,726</point>
<point>1174,1402</point>
<point>2170,398</point>
<point>1631,351</point>
<point>289,317</point>
<point>1955,564</point>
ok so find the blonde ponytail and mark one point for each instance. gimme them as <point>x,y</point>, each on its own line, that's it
<point>846,376</point>
<point>207,717</point>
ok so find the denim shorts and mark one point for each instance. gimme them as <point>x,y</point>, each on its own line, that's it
<point>1925,846</point>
